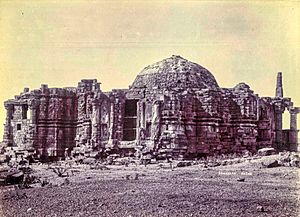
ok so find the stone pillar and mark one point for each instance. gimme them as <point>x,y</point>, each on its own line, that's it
<point>120,119</point>
<point>140,118</point>
<point>32,124</point>
<point>279,89</point>
<point>95,125</point>
<point>156,116</point>
<point>32,108</point>
<point>293,118</point>
<point>138,121</point>
<point>8,137</point>
<point>112,125</point>
<point>143,115</point>
<point>293,133</point>
<point>279,109</point>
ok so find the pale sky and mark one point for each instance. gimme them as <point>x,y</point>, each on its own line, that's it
<point>61,42</point>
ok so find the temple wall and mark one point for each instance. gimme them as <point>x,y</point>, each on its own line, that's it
<point>93,115</point>
<point>56,122</point>
<point>179,121</point>
<point>174,107</point>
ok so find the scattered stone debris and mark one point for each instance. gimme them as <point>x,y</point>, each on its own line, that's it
<point>98,166</point>
<point>157,183</point>
<point>295,163</point>
<point>260,209</point>
<point>266,151</point>
<point>11,176</point>
<point>271,164</point>
<point>136,177</point>
<point>66,181</point>
<point>89,161</point>
<point>241,180</point>
<point>184,163</point>
<point>44,182</point>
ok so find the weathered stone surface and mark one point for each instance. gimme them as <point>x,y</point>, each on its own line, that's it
<point>266,151</point>
<point>175,72</point>
<point>174,108</point>
<point>272,164</point>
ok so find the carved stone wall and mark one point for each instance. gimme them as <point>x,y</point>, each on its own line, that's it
<point>93,115</point>
<point>173,107</point>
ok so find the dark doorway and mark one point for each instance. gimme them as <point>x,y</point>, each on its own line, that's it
<point>130,118</point>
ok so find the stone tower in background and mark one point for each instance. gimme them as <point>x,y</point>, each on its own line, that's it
<point>279,89</point>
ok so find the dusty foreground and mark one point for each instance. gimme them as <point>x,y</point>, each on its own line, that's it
<point>244,189</point>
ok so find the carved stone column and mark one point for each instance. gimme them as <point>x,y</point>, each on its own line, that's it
<point>156,116</point>
<point>293,133</point>
<point>112,125</point>
<point>140,119</point>
<point>32,124</point>
<point>33,110</point>
<point>278,109</point>
<point>293,118</point>
<point>95,125</point>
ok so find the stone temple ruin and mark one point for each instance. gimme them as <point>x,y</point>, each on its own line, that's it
<point>174,106</point>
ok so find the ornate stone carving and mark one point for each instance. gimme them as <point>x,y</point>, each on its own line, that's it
<point>174,105</point>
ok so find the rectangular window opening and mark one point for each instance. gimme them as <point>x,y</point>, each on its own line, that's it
<point>24,111</point>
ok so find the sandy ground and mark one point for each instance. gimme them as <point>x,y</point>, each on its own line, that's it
<point>159,190</point>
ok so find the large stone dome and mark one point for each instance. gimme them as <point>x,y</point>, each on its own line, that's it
<point>175,72</point>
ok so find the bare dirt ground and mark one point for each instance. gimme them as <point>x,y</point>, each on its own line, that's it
<point>243,189</point>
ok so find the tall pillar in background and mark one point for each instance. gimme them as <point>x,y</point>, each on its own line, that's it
<point>293,134</point>
<point>279,89</point>
<point>278,110</point>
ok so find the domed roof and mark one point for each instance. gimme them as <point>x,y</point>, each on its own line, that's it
<point>175,72</point>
